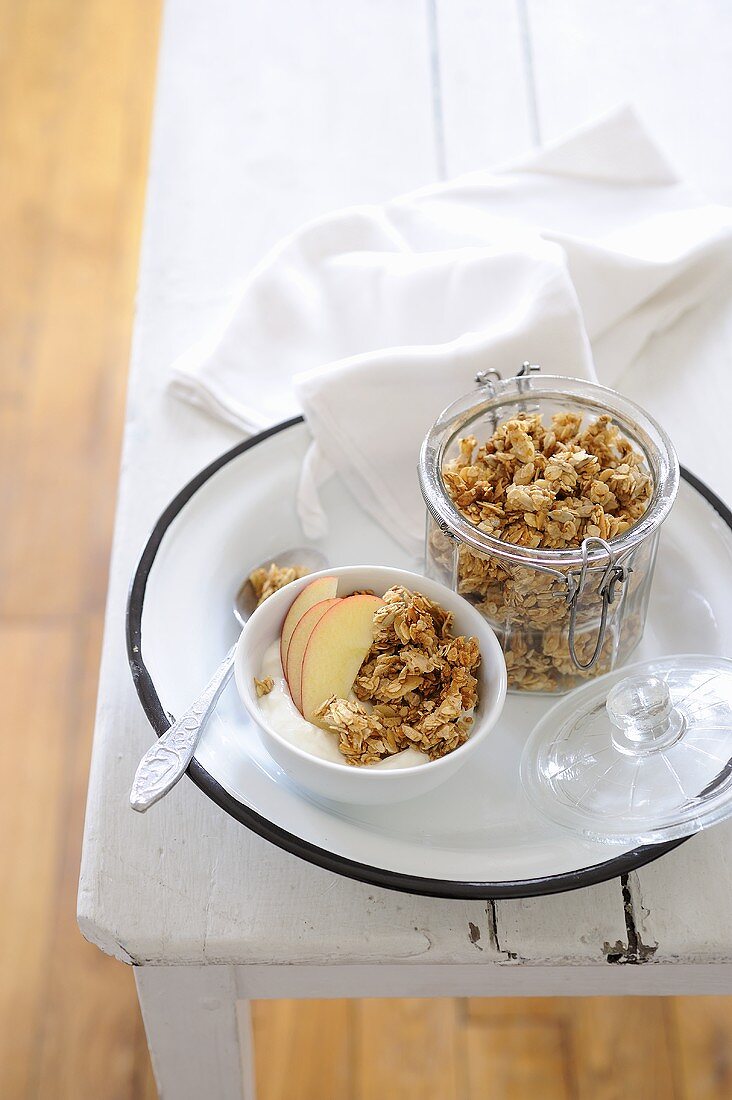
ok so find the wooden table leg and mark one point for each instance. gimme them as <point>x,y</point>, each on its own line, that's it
<point>198,1032</point>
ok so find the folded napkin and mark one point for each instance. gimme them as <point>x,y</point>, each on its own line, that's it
<point>372,319</point>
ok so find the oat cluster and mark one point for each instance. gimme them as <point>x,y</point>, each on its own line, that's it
<point>550,488</point>
<point>415,689</point>
<point>263,687</point>
<point>545,488</point>
<point>267,581</point>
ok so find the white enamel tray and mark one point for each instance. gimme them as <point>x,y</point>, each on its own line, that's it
<point>474,837</point>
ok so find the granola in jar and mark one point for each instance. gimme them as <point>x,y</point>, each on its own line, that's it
<point>545,497</point>
<point>545,486</point>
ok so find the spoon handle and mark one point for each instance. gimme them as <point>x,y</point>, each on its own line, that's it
<point>166,761</point>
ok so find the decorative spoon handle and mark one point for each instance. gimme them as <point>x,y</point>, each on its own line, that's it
<point>162,765</point>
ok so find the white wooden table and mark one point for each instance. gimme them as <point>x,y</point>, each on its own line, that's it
<point>270,112</point>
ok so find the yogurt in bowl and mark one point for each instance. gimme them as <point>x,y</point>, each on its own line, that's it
<point>280,712</point>
<point>310,755</point>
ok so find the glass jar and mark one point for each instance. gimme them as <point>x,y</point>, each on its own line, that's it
<point>562,615</point>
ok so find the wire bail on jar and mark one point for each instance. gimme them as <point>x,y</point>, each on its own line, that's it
<point>488,377</point>
<point>613,575</point>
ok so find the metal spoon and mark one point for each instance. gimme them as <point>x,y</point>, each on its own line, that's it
<point>166,761</point>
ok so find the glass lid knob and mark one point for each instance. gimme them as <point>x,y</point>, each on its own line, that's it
<point>642,712</point>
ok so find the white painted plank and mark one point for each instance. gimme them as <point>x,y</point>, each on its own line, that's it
<point>673,62</point>
<point>484,87</point>
<point>684,901</point>
<point>268,114</point>
<point>246,983</point>
<point>583,926</point>
<point>506,980</point>
<point>671,58</point>
<point>231,172</point>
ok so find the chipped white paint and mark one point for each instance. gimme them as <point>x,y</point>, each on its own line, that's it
<point>250,140</point>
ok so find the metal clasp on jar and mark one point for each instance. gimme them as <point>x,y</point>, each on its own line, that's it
<point>613,575</point>
<point>489,377</point>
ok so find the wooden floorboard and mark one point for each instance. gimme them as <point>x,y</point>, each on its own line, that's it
<point>76,86</point>
<point>76,89</point>
<point>407,1048</point>
<point>33,755</point>
<point>307,1049</point>
<point>515,1062</point>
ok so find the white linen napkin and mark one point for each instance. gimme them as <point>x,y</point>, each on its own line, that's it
<point>372,319</point>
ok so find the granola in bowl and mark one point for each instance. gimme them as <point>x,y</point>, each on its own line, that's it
<point>416,689</point>
<point>384,682</point>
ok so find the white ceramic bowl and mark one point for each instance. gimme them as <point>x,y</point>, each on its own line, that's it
<point>369,786</point>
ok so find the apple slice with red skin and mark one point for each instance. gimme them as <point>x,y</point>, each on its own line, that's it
<point>298,644</point>
<point>336,648</point>
<point>322,588</point>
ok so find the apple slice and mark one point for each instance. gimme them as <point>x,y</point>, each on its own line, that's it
<point>336,649</point>
<point>322,588</point>
<point>298,643</point>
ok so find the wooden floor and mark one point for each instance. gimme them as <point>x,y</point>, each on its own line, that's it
<point>76,87</point>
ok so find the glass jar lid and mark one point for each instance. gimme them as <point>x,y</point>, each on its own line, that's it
<point>642,755</point>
